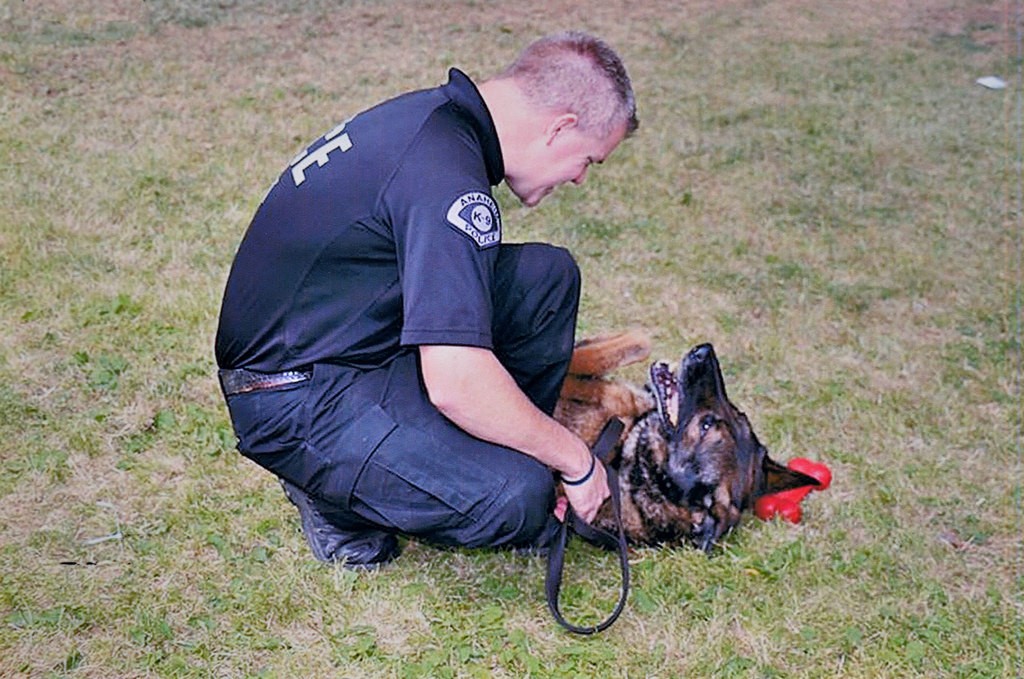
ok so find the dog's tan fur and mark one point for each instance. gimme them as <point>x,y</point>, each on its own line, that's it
<point>590,398</point>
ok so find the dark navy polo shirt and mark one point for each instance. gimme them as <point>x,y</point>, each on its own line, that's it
<point>382,234</point>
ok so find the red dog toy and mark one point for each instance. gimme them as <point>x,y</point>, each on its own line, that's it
<point>787,503</point>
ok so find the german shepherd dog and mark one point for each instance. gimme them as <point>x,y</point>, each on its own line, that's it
<point>689,462</point>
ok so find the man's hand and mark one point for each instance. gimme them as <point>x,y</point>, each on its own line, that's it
<point>587,497</point>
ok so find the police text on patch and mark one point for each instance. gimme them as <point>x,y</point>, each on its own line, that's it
<point>476,214</point>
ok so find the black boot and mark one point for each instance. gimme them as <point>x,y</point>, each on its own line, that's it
<point>356,549</point>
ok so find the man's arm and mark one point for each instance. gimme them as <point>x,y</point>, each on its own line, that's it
<point>472,389</point>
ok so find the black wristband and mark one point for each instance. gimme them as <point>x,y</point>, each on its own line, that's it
<point>583,479</point>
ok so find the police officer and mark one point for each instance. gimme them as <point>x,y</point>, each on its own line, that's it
<point>383,353</point>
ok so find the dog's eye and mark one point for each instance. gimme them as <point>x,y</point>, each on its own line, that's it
<point>707,422</point>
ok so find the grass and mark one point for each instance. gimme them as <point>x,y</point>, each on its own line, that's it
<point>820,189</point>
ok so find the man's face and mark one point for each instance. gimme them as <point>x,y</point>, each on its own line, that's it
<point>562,155</point>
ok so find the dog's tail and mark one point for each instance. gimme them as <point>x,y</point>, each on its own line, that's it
<point>599,356</point>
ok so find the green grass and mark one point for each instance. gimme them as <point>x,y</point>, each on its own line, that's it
<point>820,189</point>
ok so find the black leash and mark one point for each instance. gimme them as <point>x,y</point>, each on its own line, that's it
<point>556,557</point>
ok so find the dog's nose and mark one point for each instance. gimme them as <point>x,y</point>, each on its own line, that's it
<point>701,353</point>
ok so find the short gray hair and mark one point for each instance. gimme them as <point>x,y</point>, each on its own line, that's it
<point>579,73</point>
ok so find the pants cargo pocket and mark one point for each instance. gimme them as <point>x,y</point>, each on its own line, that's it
<point>421,486</point>
<point>337,473</point>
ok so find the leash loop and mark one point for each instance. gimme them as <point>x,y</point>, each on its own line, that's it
<point>613,541</point>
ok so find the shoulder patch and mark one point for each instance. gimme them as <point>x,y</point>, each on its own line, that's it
<point>476,214</point>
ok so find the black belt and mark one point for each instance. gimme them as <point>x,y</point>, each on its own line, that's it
<point>242,381</point>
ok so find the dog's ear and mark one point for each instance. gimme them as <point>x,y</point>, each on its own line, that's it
<point>777,478</point>
<point>666,394</point>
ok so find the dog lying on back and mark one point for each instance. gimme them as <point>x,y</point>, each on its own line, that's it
<point>689,463</point>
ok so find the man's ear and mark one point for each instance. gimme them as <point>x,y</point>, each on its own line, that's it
<point>778,478</point>
<point>562,123</point>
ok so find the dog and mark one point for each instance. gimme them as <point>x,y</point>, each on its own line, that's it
<point>689,463</point>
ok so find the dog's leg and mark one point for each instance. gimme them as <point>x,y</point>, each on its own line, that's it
<point>588,400</point>
<point>600,355</point>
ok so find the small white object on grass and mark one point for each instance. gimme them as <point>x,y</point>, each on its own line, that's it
<point>992,82</point>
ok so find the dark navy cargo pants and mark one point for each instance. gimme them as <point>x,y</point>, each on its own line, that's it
<point>374,453</point>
